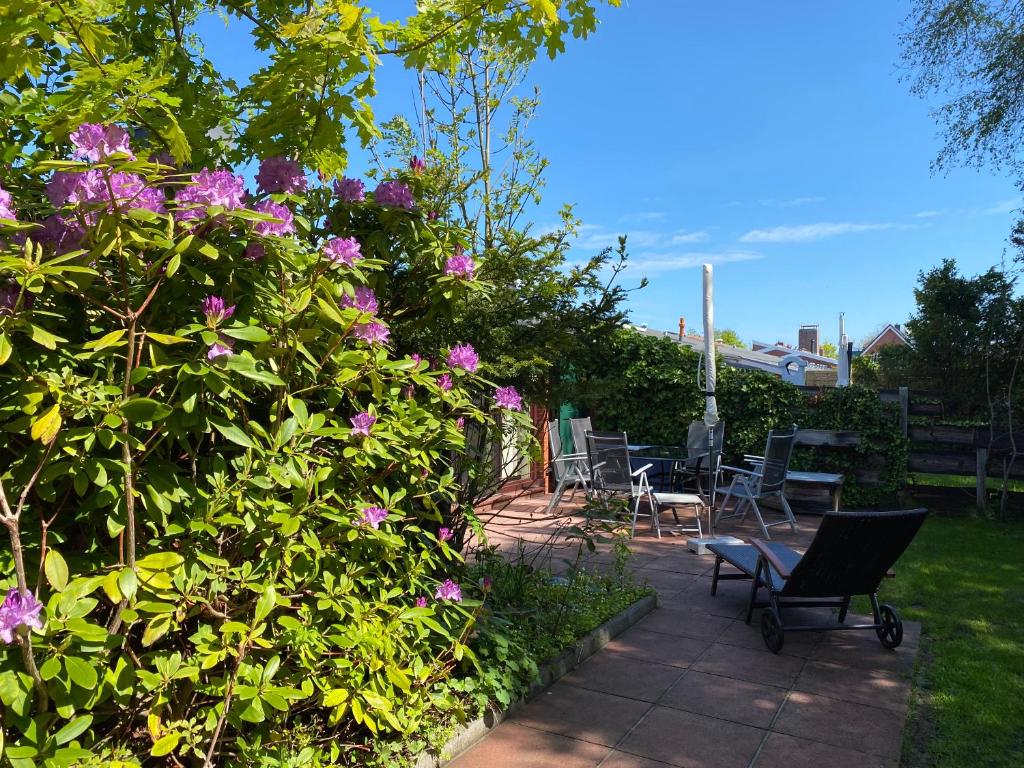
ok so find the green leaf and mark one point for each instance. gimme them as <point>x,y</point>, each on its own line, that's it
<point>80,672</point>
<point>76,727</point>
<point>251,333</point>
<point>43,337</point>
<point>56,570</point>
<point>140,409</point>
<point>156,629</point>
<point>233,433</point>
<point>5,348</point>
<point>107,340</point>
<point>160,561</point>
<point>165,744</point>
<point>266,603</point>
<point>45,428</point>
<point>166,338</point>
<point>127,582</point>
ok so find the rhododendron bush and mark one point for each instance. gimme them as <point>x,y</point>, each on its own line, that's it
<point>228,486</point>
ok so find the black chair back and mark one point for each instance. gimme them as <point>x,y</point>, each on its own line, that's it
<point>777,453</point>
<point>852,552</point>
<point>608,454</point>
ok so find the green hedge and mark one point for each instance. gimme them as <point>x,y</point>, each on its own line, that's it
<point>648,388</point>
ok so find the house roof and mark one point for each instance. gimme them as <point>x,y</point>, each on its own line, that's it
<point>814,360</point>
<point>737,357</point>
<point>878,337</point>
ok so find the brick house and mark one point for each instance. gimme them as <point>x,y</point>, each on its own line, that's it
<point>891,335</point>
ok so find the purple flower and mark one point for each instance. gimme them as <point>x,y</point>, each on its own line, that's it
<point>349,190</point>
<point>394,194</point>
<point>220,349</point>
<point>365,300</point>
<point>279,174</point>
<point>460,422</point>
<point>373,516</point>
<point>449,590</point>
<point>9,293</point>
<point>507,397</point>
<point>444,381</point>
<point>486,583</point>
<point>362,423</point>
<point>463,356</point>
<point>460,265</point>
<point>7,205</point>
<point>131,191</point>
<point>255,252</point>
<point>444,533</point>
<point>372,333</point>
<point>421,602</point>
<point>94,142</point>
<point>63,234</point>
<point>417,164</point>
<point>216,310</point>
<point>285,226</point>
<point>416,359</point>
<point>208,188</point>
<point>433,216</point>
<point>343,250</point>
<point>18,609</point>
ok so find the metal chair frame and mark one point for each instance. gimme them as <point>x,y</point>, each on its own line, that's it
<point>766,479</point>
<point>566,468</point>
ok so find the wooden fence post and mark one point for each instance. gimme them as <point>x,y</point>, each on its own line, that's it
<point>904,410</point>
<point>981,493</point>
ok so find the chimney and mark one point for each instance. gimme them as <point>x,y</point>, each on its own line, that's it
<point>682,327</point>
<point>808,339</point>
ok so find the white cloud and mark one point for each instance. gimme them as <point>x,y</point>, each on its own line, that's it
<point>927,214</point>
<point>791,202</point>
<point>649,262</point>
<point>1005,206</point>
<point>806,232</point>
<point>682,236</point>
<point>645,216</point>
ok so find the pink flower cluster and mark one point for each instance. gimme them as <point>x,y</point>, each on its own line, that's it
<point>19,609</point>
<point>394,194</point>
<point>208,188</point>
<point>460,265</point>
<point>349,190</point>
<point>284,225</point>
<point>374,332</point>
<point>223,347</point>
<point>463,356</point>
<point>362,423</point>
<point>444,533</point>
<point>417,164</point>
<point>279,174</point>
<point>449,590</point>
<point>365,300</point>
<point>343,250</point>
<point>7,205</point>
<point>508,397</point>
<point>373,516</point>
<point>94,187</point>
<point>95,142</point>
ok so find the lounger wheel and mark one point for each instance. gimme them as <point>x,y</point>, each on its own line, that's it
<point>890,633</point>
<point>771,630</point>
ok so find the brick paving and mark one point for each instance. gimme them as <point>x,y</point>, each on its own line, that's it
<point>691,685</point>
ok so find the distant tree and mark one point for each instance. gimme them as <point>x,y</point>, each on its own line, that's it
<point>828,349</point>
<point>864,371</point>
<point>730,337</point>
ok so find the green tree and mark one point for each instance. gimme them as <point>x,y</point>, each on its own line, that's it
<point>828,349</point>
<point>730,337</point>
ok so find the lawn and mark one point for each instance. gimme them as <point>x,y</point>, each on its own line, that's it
<point>963,579</point>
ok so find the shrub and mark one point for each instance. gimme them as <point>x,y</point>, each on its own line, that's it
<point>224,476</point>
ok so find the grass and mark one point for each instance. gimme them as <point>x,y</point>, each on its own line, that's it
<point>960,481</point>
<point>963,579</point>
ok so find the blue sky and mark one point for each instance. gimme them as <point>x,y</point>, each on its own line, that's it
<point>774,140</point>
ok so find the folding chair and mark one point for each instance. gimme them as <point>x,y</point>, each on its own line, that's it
<point>579,429</point>
<point>695,469</point>
<point>850,555</point>
<point>766,479</point>
<point>566,468</point>
<point>611,474</point>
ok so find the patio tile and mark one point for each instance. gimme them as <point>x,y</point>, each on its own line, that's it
<point>684,623</point>
<point>753,666</point>
<point>683,562</point>
<point>875,687</point>
<point>515,746</point>
<point>592,716</point>
<point>664,581</point>
<point>725,698</point>
<point>659,647</point>
<point>861,649</point>
<point>841,724</point>
<point>624,676</point>
<point>730,602</point>
<point>691,740</point>
<point>618,759</point>
<point>802,644</point>
<point>783,751</point>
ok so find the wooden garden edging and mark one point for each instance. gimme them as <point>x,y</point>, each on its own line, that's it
<point>469,734</point>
